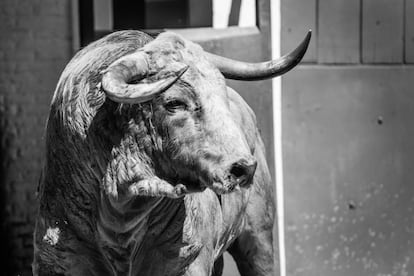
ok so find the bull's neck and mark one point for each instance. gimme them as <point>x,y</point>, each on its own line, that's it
<point>135,227</point>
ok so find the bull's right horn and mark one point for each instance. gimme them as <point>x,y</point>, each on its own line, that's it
<point>238,70</point>
<point>119,79</point>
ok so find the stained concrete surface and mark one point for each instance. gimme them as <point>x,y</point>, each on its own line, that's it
<point>348,166</point>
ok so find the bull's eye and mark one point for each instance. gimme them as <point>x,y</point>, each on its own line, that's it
<point>175,105</point>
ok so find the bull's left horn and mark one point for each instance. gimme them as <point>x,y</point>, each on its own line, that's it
<point>237,70</point>
<point>119,79</point>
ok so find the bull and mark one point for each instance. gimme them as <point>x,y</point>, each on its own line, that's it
<point>153,165</point>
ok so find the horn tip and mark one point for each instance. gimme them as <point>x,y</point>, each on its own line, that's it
<point>308,37</point>
<point>183,70</point>
<point>303,46</point>
<point>309,34</point>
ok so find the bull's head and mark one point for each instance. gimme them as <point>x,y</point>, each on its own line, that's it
<point>199,139</point>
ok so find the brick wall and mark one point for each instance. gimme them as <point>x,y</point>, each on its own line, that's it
<point>35,45</point>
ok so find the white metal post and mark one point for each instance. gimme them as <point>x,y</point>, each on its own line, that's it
<point>277,128</point>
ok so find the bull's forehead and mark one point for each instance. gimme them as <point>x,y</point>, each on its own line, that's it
<point>202,75</point>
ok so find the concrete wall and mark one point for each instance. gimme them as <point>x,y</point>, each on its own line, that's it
<point>35,45</point>
<point>347,138</point>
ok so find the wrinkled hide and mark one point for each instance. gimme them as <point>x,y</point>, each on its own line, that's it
<point>152,187</point>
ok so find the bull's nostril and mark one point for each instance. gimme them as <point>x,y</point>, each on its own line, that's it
<point>238,171</point>
<point>242,172</point>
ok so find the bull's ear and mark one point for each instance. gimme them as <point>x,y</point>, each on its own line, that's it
<point>124,81</point>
